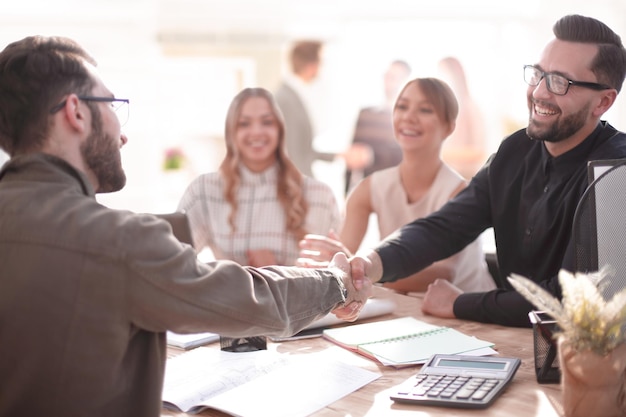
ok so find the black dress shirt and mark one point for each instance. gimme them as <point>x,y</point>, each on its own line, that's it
<point>529,198</point>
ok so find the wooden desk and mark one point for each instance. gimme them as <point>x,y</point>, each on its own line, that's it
<point>523,397</point>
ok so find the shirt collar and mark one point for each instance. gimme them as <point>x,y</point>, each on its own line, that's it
<point>572,158</point>
<point>270,175</point>
<point>300,87</point>
<point>44,167</point>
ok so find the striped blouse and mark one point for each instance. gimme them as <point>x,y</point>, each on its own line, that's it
<point>260,217</point>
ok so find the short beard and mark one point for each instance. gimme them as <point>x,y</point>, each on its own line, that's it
<point>102,156</point>
<point>559,130</point>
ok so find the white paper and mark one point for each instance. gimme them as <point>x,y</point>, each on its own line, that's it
<point>189,341</point>
<point>486,351</point>
<point>259,384</point>
<point>373,307</point>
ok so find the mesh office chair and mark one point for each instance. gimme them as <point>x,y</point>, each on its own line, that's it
<point>599,227</point>
<point>599,233</point>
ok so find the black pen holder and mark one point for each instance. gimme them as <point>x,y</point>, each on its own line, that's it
<point>243,344</point>
<point>547,366</point>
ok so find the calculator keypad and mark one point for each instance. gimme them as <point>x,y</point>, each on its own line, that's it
<point>447,387</point>
<point>458,381</point>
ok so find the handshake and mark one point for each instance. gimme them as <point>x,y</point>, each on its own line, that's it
<point>357,273</point>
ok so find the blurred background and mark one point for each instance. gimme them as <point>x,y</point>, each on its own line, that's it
<point>180,62</point>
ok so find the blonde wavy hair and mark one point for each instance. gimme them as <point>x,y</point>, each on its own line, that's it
<point>289,184</point>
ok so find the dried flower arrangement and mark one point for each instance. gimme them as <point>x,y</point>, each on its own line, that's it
<point>586,320</point>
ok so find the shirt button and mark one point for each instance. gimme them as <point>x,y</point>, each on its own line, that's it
<point>545,189</point>
<point>529,231</point>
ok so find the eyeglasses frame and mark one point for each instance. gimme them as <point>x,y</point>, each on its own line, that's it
<point>126,101</point>
<point>586,84</point>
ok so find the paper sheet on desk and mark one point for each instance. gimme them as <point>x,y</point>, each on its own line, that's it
<point>476,352</point>
<point>374,307</point>
<point>261,384</point>
<point>190,341</point>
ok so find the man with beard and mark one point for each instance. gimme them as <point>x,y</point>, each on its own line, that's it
<point>86,292</point>
<point>529,189</point>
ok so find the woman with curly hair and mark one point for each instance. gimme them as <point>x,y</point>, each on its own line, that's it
<point>256,208</point>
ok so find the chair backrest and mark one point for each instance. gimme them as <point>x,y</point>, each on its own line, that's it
<point>599,227</point>
<point>180,226</point>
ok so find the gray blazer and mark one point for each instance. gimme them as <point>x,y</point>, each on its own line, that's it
<point>88,293</point>
<point>298,130</point>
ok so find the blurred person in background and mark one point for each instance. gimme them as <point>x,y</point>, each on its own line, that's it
<point>374,146</point>
<point>466,148</point>
<point>256,208</point>
<point>292,98</point>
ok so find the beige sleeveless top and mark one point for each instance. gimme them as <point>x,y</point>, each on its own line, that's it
<point>393,210</point>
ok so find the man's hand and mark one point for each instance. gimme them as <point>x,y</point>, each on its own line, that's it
<point>366,267</point>
<point>357,297</point>
<point>439,299</point>
<point>358,156</point>
<point>316,251</point>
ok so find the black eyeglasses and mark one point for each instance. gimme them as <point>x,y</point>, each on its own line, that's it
<point>556,83</point>
<point>117,104</point>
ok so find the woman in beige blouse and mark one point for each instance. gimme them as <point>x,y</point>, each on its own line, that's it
<point>424,115</point>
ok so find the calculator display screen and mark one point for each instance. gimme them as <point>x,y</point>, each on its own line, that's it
<point>472,364</point>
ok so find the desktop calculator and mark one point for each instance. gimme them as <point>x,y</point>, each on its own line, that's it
<point>458,381</point>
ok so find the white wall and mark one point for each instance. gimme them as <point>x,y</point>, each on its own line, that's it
<point>181,61</point>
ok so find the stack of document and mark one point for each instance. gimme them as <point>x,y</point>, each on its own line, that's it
<point>373,307</point>
<point>406,341</point>
<point>190,341</point>
<point>289,385</point>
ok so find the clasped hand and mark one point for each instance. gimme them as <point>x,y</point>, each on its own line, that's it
<point>358,285</point>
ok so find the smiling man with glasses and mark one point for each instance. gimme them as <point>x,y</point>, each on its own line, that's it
<point>529,189</point>
<point>556,83</point>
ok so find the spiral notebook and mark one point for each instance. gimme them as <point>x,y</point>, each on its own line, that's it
<point>406,341</point>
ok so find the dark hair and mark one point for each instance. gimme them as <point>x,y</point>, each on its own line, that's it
<point>35,73</point>
<point>609,64</point>
<point>304,53</point>
<point>440,95</point>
